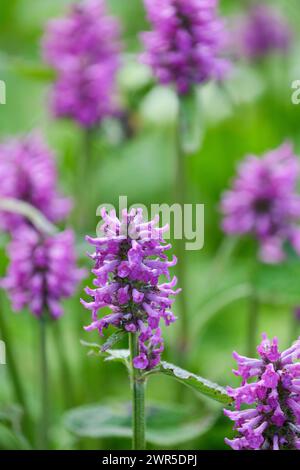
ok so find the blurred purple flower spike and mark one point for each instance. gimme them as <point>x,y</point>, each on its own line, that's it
<point>42,271</point>
<point>264,31</point>
<point>186,44</point>
<point>84,49</point>
<point>28,173</point>
<point>264,202</point>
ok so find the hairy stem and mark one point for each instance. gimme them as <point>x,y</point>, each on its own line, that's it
<point>13,370</point>
<point>83,167</point>
<point>180,195</point>
<point>66,379</point>
<point>252,323</point>
<point>44,418</point>
<point>138,399</point>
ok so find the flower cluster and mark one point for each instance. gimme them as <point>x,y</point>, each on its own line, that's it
<point>264,202</point>
<point>28,173</point>
<point>274,421</point>
<point>129,259</point>
<point>264,31</point>
<point>185,46</point>
<point>42,271</point>
<point>83,48</point>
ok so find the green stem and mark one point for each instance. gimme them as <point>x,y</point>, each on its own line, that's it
<point>180,194</point>
<point>83,168</point>
<point>12,367</point>
<point>44,418</point>
<point>294,328</point>
<point>252,323</point>
<point>66,379</point>
<point>138,399</point>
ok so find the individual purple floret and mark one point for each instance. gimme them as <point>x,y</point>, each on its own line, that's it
<point>129,259</point>
<point>271,384</point>
<point>83,48</point>
<point>28,173</point>
<point>264,203</point>
<point>186,43</point>
<point>42,271</point>
<point>264,31</point>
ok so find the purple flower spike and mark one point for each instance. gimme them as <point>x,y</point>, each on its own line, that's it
<point>83,48</point>
<point>129,260</point>
<point>186,43</point>
<point>273,422</point>
<point>28,173</point>
<point>264,203</point>
<point>297,312</point>
<point>264,31</point>
<point>42,271</point>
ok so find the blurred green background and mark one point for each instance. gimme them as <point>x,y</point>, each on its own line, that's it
<point>254,113</point>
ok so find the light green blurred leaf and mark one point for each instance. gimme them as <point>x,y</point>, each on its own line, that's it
<point>279,284</point>
<point>215,305</point>
<point>10,440</point>
<point>160,106</point>
<point>11,436</point>
<point>33,71</point>
<point>166,425</point>
<point>134,75</point>
<point>17,206</point>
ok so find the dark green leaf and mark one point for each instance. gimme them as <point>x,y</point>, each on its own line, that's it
<point>199,384</point>
<point>112,340</point>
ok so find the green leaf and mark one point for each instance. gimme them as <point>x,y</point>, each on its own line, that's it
<point>279,284</point>
<point>31,213</point>
<point>11,440</point>
<point>134,76</point>
<point>190,122</point>
<point>120,355</point>
<point>94,348</point>
<point>159,106</point>
<point>112,340</point>
<point>11,414</point>
<point>166,425</point>
<point>11,436</point>
<point>38,72</point>
<point>215,305</point>
<point>198,384</point>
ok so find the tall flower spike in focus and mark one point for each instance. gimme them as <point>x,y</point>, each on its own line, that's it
<point>83,48</point>
<point>42,271</point>
<point>264,202</point>
<point>186,44</point>
<point>271,392</point>
<point>263,31</point>
<point>129,260</point>
<point>28,173</point>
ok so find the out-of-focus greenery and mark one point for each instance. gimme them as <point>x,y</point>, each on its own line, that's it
<point>254,114</point>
